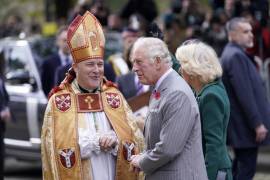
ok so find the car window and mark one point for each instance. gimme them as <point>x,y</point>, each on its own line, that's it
<point>42,48</point>
<point>17,66</point>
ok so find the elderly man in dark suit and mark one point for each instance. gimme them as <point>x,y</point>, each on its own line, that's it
<point>250,111</point>
<point>172,128</point>
<point>61,58</point>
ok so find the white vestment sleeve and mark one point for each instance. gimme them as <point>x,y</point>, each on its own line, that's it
<point>88,143</point>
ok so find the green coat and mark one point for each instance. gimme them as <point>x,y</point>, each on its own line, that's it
<point>175,64</point>
<point>214,108</point>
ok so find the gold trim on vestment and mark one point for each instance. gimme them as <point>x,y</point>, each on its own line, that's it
<point>65,136</point>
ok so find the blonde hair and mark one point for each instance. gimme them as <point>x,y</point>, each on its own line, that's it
<point>199,60</point>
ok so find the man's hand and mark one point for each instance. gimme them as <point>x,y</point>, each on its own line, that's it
<point>107,142</point>
<point>261,133</point>
<point>135,159</point>
<point>5,115</point>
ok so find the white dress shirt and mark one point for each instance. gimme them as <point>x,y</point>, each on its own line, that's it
<point>162,78</point>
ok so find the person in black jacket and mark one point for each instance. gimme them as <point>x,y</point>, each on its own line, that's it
<point>146,8</point>
<point>4,115</point>
<point>250,112</point>
<point>50,64</point>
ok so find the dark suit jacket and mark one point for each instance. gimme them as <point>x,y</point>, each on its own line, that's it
<point>48,70</point>
<point>4,99</point>
<point>214,108</point>
<point>60,73</point>
<point>109,72</point>
<point>126,84</point>
<point>249,106</point>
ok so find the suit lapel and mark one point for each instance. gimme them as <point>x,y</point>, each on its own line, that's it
<point>154,103</point>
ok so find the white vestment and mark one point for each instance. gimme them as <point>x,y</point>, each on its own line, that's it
<point>103,163</point>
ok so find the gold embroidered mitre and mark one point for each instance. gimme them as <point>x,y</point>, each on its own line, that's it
<point>85,38</point>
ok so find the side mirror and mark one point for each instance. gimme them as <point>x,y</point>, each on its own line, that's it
<point>21,77</point>
<point>18,77</point>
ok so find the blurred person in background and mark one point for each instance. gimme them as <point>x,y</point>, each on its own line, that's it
<point>145,8</point>
<point>266,40</point>
<point>216,4</point>
<point>89,131</point>
<point>50,64</point>
<point>173,31</point>
<point>138,23</point>
<point>4,113</point>
<point>60,73</point>
<point>12,26</point>
<point>119,61</point>
<point>96,7</point>
<point>153,30</point>
<point>80,8</point>
<point>115,23</point>
<point>192,13</point>
<point>201,69</point>
<point>229,8</point>
<point>215,34</point>
<point>250,112</point>
<point>101,11</point>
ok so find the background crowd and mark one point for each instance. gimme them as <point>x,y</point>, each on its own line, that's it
<point>186,19</point>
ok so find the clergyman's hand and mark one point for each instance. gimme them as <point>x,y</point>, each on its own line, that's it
<point>107,142</point>
<point>261,133</point>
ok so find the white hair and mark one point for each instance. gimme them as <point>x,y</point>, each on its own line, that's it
<point>153,48</point>
<point>199,60</point>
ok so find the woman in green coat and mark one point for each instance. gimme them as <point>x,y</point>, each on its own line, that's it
<point>202,71</point>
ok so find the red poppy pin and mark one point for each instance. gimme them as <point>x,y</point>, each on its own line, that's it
<point>156,95</point>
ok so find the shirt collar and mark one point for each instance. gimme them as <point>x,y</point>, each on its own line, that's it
<point>162,78</point>
<point>82,90</point>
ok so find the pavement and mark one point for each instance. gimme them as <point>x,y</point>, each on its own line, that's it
<point>17,170</point>
<point>263,165</point>
<point>262,176</point>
